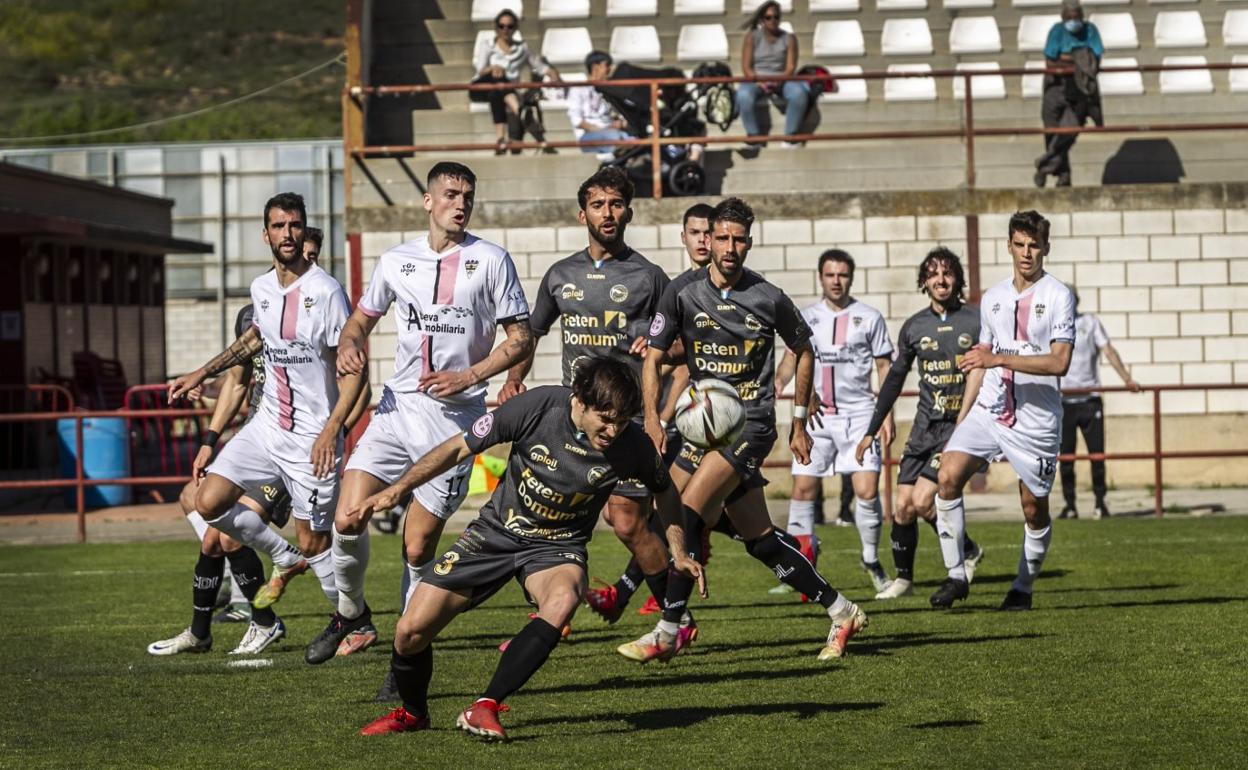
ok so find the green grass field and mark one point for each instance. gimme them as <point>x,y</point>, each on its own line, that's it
<point>1134,656</point>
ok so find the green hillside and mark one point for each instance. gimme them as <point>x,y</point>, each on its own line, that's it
<point>70,66</point>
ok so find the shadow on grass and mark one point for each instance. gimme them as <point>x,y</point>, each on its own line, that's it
<point>668,718</point>
<point>943,723</point>
<point>878,646</point>
<point>1154,603</point>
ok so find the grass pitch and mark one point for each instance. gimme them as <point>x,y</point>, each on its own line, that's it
<point>1134,655</point>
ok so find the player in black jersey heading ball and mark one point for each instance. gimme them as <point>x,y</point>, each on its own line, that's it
<point>728,318</point>
<point>937,336</point>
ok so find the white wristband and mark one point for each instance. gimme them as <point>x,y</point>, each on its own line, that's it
<point>800,412</point>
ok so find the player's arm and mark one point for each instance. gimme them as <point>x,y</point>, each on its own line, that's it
<point>439,460</point>
<point>970,392</point>
<point>891,386</point>
<point>352,356</point>
<point>1054,363</point>
<point>883,365</point>
<point>239,352</point>
<point>351,389</point>
<point>650,388</point>
<point>785,370</point>
<point>517,346</point>
<point>1112,356</point>
<point>361,406</point>
<point>799,439</point>
<point>680,381</point>
<point>229,401</point>
<point>541,318</point>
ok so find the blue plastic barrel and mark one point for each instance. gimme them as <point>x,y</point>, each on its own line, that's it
<point>105,455</point>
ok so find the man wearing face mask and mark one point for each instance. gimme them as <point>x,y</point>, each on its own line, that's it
<point>1072,97</point>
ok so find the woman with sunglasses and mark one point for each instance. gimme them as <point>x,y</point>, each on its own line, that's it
<point>499,60</point>
<point>769,50</point>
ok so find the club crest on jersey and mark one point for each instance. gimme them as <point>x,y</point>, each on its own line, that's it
<point>569,291</point>
<point>657,324</point>
<point>308,302</point>
<point>408,268</point>
<point>752,323</point>
<point>857,320</point>
<point>964,341</point>
<point>470,267</point>
<point>595,475</point>
<point>618,293</point>
<point>481,428</point>
<point>1039,310</point>
<point>927,343</point>
<point>264,304</point>
<point>704,321</point>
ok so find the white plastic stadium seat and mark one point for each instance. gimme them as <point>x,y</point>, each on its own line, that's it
<point>901,5</point>
<point>1033,85</point>
<point>750,6</point>
<point>1033,31</point>
<point>910,89</point>
<point>1120,83</point>
<point>1235,27</point>
<point>566,45</point>
<point>991,86</point>
<point>1117,30</point>
<point>834,6</point>
<point>847,89</point>
<point>902,37</point>
<point>639,44</point>
<point>1238,79</point>
<point>699,7</point>
<point>956,4</point>
<point>1186,81</point>
<point>1179,29</point>
<point>618,9</point>
<point>486,10</point>
<point>974,34</point>
<point>1034,3</point>
<point>702,42</point>
<point>563,9</point>
<point>842,37</point>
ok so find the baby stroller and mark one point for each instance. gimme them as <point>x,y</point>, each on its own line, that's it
<point>678,116</point>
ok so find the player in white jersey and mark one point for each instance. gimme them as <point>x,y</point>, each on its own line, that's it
<point>1012,406</point>
<point>452,290</point>
<point>850,340</point>
<point>296,435</point>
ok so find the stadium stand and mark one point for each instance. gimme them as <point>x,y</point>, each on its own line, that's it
<point>621,9</point>
<point>563,9</point>
<point>839,37</point>
<point>637,44</point>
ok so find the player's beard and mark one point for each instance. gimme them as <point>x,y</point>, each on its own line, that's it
<point>607,241</point>
<point>297,256</point>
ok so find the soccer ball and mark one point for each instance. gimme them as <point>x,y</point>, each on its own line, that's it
<point>710,414</point>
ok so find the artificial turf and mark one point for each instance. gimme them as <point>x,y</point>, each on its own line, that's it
<point>1133,656</point>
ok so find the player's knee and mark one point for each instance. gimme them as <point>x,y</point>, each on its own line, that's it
<point>312,542</point>
<point>211,545</point>
<point>348,524</point>
<point>187,498</point>
<point>905,513</point>
<point>229,544</point>
<point>409,639</point>
<point>558,606</point>
<point>418,550</point>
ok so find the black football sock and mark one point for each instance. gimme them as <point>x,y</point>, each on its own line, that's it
<point>208,572</point>
<point>657,584</point>
<point>628,583</point>
<point>775,550</point>
<point>526,653</point>
<point>968,545</point>
<point>679,586</point>
<point>411,677</point>
<point>249,574</point>
<point>905,539</point>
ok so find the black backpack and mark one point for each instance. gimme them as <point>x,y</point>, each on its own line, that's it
<point>718,100</point>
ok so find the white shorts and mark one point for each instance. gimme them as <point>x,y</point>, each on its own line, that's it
<point>262,452</point>
<point>402,430</point>
<point>1033,458</point>
<point>833,446</point>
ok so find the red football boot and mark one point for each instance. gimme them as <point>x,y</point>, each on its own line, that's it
<point>397,721</point>
<point>481,718</point>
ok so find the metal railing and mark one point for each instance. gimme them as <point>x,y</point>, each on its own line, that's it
<point>353,98</point>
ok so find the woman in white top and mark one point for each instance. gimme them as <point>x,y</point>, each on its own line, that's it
<point>499,61</point>
<point>769,50</point>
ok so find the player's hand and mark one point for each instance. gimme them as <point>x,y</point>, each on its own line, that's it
<point>443,384</point>
<point>691,569</point>
<point>199,468</point>
<point>860,451</point>
<point>186,383</point>
<point>888,432</point>
<point>815,413</point>
<point>639,346</point>
<point>654,429</point>
<point>382,501</point>
<point>511,388</point>
<point>978,357</point>
<point>195,393</point>
<point>1133,386</point>
<point>323,459</point>
<point>351,360</point>
<point>799,443</point>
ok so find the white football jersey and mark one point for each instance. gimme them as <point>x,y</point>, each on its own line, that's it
<point>846,345</point>
<point>448,307</point>
<point>1025,324</point>
<point>300,325</point>
<point>1090,338</point>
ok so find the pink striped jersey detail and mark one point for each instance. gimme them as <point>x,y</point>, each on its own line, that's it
<point>290,314</point>
<point>286,396</point>
<point>840,335</point>
<point>444,288</point>
<point>1022,316</point>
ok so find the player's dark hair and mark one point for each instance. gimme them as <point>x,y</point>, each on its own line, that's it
<point>451,170</point>
<point>942,255</point>
<point>837,255</point>
<point>607,386</point>
<point>1029,223</point>
<point>698,211</point>
<point>607,178</point>
<point>732,210</point>
<point>314,234</point>
<point>287,201</point>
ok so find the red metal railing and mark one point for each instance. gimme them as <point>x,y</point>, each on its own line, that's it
<point>967,131</point>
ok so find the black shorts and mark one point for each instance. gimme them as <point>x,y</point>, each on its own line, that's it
<point>921,457</point>
<point>746,455</point>
<point>274,499</point>
<point>484,558</point>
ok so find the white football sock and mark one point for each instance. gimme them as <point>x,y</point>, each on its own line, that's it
<point>1035,546</point>
<point>412,578</point>
<point>198,524</point>
<point>951,524</point>
<point>350,562</point>
<point>246,526</point>
<point>839,607</point>
<point>869,519</point>
<point>323,567</point>
<point>236,593</point>
<point>801,517</point>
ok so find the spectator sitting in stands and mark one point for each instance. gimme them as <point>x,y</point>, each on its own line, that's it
<point>769,50</point>
<point>591,116</point>
<point>499,61</point>
<point>1069,100</point>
